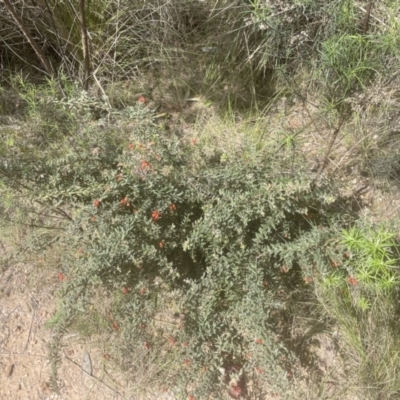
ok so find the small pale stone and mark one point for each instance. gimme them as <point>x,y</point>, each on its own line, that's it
<point>87,363</point>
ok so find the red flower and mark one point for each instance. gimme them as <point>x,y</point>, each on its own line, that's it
<point>142,99</point>
<point>131,146</point>
<point>144,164</point>
<point>235,391</point>
<point>308,279</point>
<point>352,281</point>
<point>155,215</point>
<point>143,291</point>
<point>61,277</point>
<point>124,202</point>
<point>172,207</point>
<point>125,290</point>
<point>96,203</point>
<point>191,397</point>
<point>259,341</point>
<point>146,345</point>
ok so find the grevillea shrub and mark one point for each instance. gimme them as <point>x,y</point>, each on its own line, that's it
<point>200,253</point>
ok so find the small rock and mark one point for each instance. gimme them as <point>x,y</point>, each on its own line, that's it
<point>87,363</point>
<point>10,370</point>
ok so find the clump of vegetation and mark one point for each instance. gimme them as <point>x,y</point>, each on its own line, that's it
<point>360,295</point>
<point>221,242</point>
<point>204,239</point>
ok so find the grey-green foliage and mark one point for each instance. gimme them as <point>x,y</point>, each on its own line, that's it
<point>222,242</point>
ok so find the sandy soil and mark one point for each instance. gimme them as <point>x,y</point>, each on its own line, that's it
<point>26,363</point>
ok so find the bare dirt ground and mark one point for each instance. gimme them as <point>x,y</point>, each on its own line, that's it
<point>27,369</point>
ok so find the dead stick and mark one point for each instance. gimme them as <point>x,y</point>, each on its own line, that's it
<point>85,44</point>
<point>329,149</point>
<point>366,18</point>
<point>93,376</point>
<point>30,330</point>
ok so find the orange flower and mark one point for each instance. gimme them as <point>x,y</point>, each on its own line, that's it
<point>61,277</point>
<point>155,215</point>
<point>144,164</point>
<point>172,207</point>
<point>186,362</point>
<point>308,279</point>
<point>142,99</point>
<point>191,397</point>
<point>259,341</point>
<point>352,281</point>
<point>96,203</point>
<point>131,146</point>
